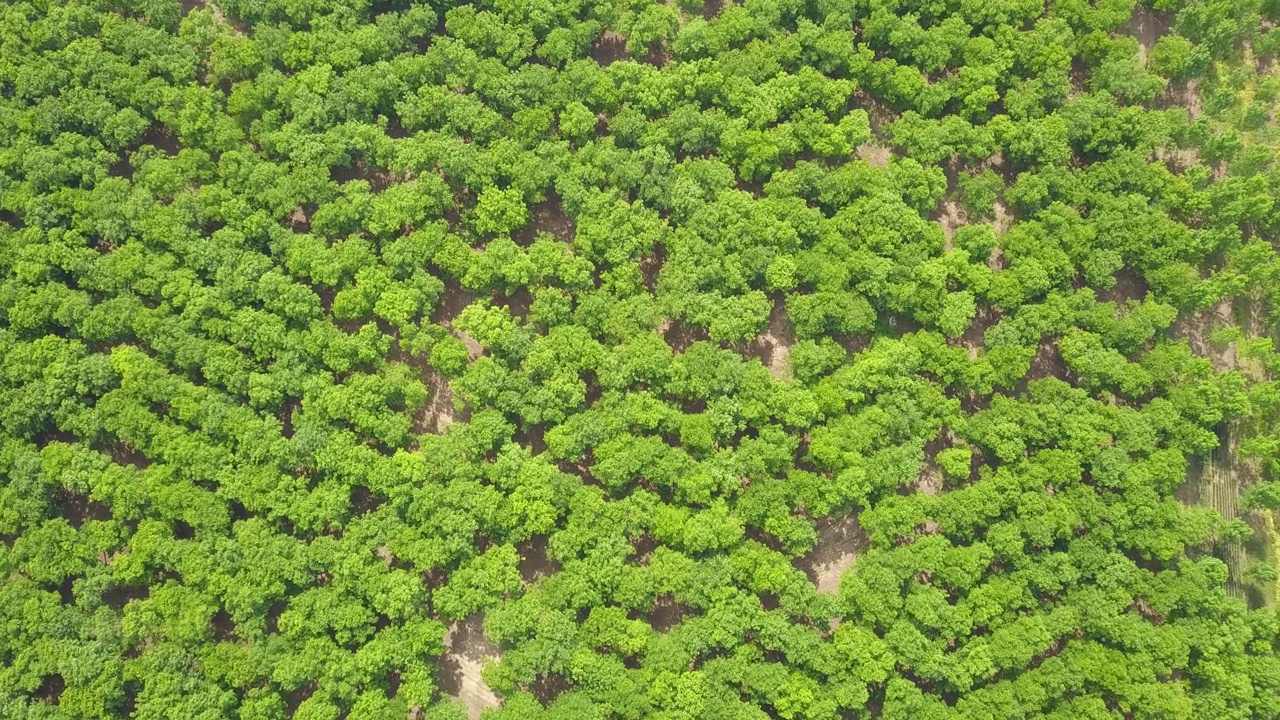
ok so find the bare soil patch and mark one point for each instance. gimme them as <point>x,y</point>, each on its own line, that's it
<point>440,412</point>
<point>467,649</point>
<point>474,348</point>
<point>534,561</point>
<point>378,179</point>
<point>975,336</point>
<point>1004,218</point>
<point>1185,95</point>
<point>1129,286</point>
<point>223,627</point>
<point>679,335</point>
<point>158,136</point>
<point>52,435</point>
<point>518,303</point>
<point>878,112</point>
<point>455,299</point>
<point>839,542</point>
<point>610,48</point>
<point>666,613</point>
<point>1148,26</point>
<point>299,220</point>
<point>1177,160</point>
<point>549,687</point>
<point>236,25</point>
<point>1046,363</point>
<point>1198,328</point>
<point>162,138</point>
<point>658,56</point>
<point>50,689</point>
<point>1216,481</point>
<point>875,155</point>
<point>78,509</point>
<point>930,481</point>
<point>123,454</point>
<point>548,217</point>
<point>773,347</point>
<point>651,267</point>
<point>950,217</point>
<point>643,547</point>
<point>118,596</point>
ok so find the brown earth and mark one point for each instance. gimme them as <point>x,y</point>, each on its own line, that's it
<point>610,48</point>
<point>455,299</point>
<point>1129,286</point>
<point>534,561</point>
<point>666,613</point>
<point>679,335</point>
<point>1004,218</point>
<point>1147,26</point>
<point>1197,329</point>
<point>839,542</point>
<point>440,412</point>
<point>548,217</point>
<point>773,346</point>
<point>950,217</point>
<point>875,155</point>
<point>467,650</point>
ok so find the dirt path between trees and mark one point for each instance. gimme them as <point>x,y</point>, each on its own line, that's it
<point>467,648</point>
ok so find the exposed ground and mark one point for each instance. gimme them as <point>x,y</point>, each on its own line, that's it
<point>439,413</point>
<point>666,613</point>
<point>548,217</point>
<point>1129,286</point>
<point>679,335</point>
<point>1147,26</point>
<point>534,562</point>
<point>930,481</point>
<point>1047,362</point>
<point>1197,329</point>
<point>610,48</point>
<point>839,542</point>
<point>874,154</point>
<point>1004,218</point>
<point>467,649</point>
<point>975,336</point>
<point>236,26</point>
<point>773,347</point>
<point>455,299</point>
<point>1217,481</point>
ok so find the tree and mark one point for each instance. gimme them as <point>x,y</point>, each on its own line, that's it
<point>499,211</point>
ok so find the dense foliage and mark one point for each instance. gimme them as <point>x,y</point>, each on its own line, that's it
<point>327,325</point>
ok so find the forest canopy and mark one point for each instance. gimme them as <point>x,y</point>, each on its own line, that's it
<point>623,359</point>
